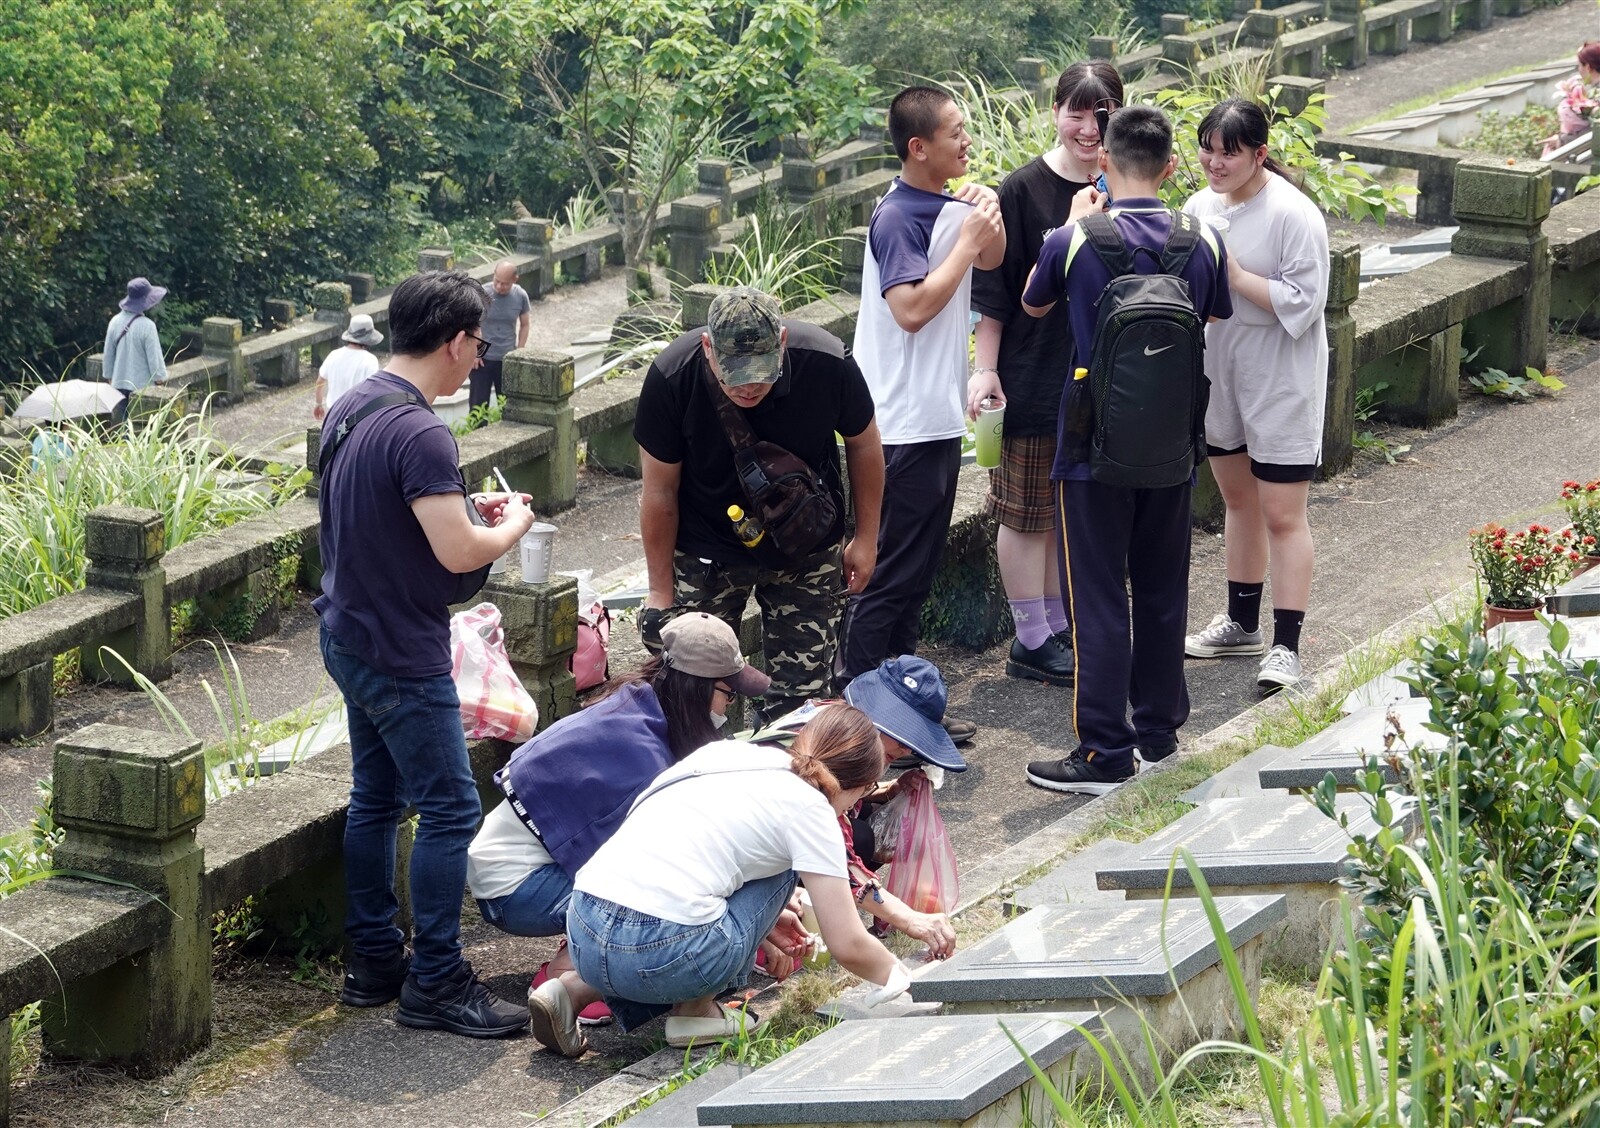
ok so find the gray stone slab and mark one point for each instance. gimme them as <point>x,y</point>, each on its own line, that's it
<point>1434,239</point>
<point>1072,952</point>
<point>676,1109</point>
<point>1239,779</point>
<point>1533,639</point>
<point>1579,596</point>
<point>1385,689</point>
<point>899,1070</point>
<point>1267,840</point>
<point>1345,748</point>
<point>1072,881</point>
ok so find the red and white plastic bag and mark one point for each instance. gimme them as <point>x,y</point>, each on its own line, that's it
<point>923,873</point>
<point>493,702</point>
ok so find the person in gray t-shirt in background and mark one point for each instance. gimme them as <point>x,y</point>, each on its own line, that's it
<point>505,327</point>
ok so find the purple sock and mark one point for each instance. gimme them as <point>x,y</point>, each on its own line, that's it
<point>1029,615</point>
<point>1055,613</point>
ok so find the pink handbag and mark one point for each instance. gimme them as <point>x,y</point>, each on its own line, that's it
<point>590,664</point>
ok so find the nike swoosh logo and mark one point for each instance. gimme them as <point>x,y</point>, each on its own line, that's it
<point>1148,351</point>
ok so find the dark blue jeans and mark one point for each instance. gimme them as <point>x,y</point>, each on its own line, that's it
<point>406,748</point>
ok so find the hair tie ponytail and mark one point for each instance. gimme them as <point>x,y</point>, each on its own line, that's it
<point>806,765</point>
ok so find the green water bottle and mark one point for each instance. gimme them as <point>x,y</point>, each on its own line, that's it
<point>747,529</point>
<point>990,426</point>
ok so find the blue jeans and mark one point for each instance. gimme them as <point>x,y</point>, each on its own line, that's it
<point>537,907</point>
<point>643,964</point>
<point>406,748</point>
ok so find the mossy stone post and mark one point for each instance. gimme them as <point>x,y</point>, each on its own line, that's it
<point>27,703</point>
<point>853,259</point>
<point>330,304</point>
<point>714,177</point>
<point>538,387</point>
<point>1034,75</point>
<point>361,286</point>
<point>1501,207</point>
<point>219,340</point>
<point>1294,92</point>
<point>695,301</point>
<point>1103,47</point>
<point>130,801</point>
<point>541,630</point>
<point>435,258</point>
<point>1477,14</point>
<point>156,399</point>
<point>125,546</point>
<point>1353,52</point>
<point>1339,413</point>
<point>1438,27</point>
<point>277,313</point>
<point>534,236</point>
<point>691,233</point>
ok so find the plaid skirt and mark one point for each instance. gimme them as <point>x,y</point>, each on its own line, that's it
<point>1019,488</point>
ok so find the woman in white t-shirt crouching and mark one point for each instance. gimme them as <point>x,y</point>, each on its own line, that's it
<point>670,911</point>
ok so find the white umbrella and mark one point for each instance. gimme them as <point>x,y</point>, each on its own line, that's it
<point>69,399</point>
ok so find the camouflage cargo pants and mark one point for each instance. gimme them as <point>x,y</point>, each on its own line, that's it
<point>800,611</point>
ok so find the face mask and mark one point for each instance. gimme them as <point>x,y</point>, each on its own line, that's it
<point>718,720</point>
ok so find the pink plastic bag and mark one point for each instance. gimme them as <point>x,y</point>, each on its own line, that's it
<point>493,702</point>
<point>923,873</point>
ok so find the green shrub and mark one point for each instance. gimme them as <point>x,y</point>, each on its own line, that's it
<point>1515,135</point>
<point>1510,817</point>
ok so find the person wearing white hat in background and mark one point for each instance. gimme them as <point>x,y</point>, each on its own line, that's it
<point>131,359</point>
<point>348,365</point>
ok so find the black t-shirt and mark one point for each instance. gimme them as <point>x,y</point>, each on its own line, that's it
<point>1035,352</point>
<point>820,392</point>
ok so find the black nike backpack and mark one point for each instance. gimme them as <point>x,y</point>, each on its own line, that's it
<point>1147,375</point>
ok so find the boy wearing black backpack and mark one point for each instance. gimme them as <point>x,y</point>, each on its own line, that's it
<point>1140,282</point>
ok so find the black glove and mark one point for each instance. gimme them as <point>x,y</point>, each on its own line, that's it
<point>651,620</point>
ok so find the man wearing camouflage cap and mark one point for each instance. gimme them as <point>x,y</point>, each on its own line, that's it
<point>794,386</point>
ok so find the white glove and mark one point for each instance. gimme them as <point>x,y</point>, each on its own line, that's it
<point>899,983</point>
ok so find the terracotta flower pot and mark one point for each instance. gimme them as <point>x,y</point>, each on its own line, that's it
<point>1493,616</point>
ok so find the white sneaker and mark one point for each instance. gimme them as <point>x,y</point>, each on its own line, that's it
<point>1280,669</point>
<point>1221,638</point>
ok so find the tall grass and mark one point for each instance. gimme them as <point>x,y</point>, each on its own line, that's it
<point>790,254</point>
<point>168,463</point>
<point>1008,126</point>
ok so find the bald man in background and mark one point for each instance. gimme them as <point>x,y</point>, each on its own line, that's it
<point>505,327</point>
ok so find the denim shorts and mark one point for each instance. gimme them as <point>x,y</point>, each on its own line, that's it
<point>643,964</point>
<point>537,907</point>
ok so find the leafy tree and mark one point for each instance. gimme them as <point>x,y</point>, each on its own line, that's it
<point>81,83</point>
<point>608,69</point>
<point>906,41</point>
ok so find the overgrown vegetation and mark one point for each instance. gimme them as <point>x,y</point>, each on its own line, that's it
<point>167,463</point>
<point>790,253</point>
<point>1368,400</point>
<point>1514,135</point>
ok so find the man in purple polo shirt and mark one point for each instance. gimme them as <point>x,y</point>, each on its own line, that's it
<point>397,542</point>
<point>1109,532</point>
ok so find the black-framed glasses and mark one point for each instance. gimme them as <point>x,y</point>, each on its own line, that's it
<point>720,688</point>
<point>483,346</point>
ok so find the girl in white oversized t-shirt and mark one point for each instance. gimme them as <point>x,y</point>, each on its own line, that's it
<point>669,912</point>
<point>1268,367</point>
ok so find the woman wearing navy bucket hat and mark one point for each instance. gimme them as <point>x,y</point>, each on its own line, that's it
<point>905,699</point>
<point>131,358</point>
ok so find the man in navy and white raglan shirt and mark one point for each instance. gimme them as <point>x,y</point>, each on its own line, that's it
<point>1109,532</point>
<point>911,344</point>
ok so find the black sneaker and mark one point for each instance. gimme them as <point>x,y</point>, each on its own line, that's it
<point>1049,662</point>
<point>461,1005</point>
<point>374,982</point>
<point>1082,773</point>
<point>1154,753</point>
<point>960,731</point>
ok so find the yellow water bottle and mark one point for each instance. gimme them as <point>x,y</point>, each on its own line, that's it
<point>747,529</point>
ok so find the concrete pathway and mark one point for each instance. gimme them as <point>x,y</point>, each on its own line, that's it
<point>1372,92</point>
